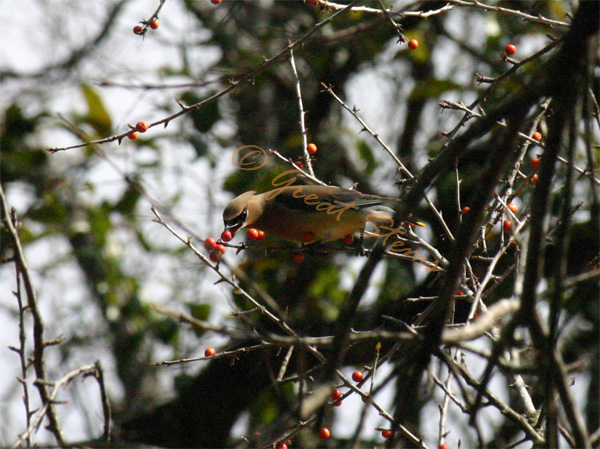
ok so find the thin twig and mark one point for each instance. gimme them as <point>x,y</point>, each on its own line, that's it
<point>482,324</point>
<point>285,363</point>
<point>389,11</point>
<point>45,410</point>
<point>386,147</point>
<point>218,355</point>
<point>39,362</point>
<point>146,23</point>
<point>511,12</point>
<point>443,407</point>
<point>22,352</point>
<point>302,114</point>
<point>99,375</point>
<point>234,85</point>
<point>494,400</point>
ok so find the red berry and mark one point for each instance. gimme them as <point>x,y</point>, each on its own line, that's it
<point>226,235</point>
<point>312,2</point>
<point>465,210</point>
<point>154,24</point>
<point>535,163</point>
<point>534,179</point>
<point>138,29</point>
<point>132,136</point>
<point>141,127</point>
<point>311,148</point>
<point>513,207</point>
<point>220,249</point>
<point>386,433</point>
<point>537,136</point>
<point>298,258</point>
<point>215,256</point>
<point>279,445</point>
<point>443,446</point>
<point>324,433</point>
<point>261,235</point>
<point>460,293</point>
<point>336,394</point>
<point>507,225</point>
<point>510,49</point>
<point>215,2</point>
<point>338,403</point>
<point>209,352</point>
<point>357,376</point>
<point>252,234</point>
<point>210,243</point>
<point>413,44</point>
<point>300,165</point>
<point>308,237</point>
<point>348,239</point>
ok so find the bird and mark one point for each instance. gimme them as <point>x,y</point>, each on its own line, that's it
<point>307,213</point>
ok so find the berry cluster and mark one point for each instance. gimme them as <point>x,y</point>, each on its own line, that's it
<point>140,127</point>
<point>255,234</point>
<point>141,30</point>
<point>217,249</point>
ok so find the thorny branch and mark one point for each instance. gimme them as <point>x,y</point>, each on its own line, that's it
<point>458,265</point>
<point>39,343</point>
<point>234,84</point>
<point>86,370</point>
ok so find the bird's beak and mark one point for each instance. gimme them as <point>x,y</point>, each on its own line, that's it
<point>232,227</point>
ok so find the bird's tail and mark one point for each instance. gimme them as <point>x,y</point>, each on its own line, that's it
<point>383,215</point>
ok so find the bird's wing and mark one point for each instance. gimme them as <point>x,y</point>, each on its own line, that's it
<point>305,198</point>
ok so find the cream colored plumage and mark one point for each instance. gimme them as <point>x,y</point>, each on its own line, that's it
<point>294,212</point>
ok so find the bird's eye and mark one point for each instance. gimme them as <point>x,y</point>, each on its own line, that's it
<point>237,220</point>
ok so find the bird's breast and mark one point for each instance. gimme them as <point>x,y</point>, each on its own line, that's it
<point>324,225</point>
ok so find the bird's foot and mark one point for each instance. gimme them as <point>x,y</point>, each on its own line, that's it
<point>315,248</point>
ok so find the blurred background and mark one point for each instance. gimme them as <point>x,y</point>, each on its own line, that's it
<point>74,71</point>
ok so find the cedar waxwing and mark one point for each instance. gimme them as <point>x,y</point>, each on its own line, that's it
<point>307,213</point>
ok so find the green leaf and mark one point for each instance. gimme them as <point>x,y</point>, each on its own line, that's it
<point>19,161</point>
<point>264,411</point>
<point>98,116</point>
<point>200,312</point>
<point>205,117</point>
<point>16,125</point>
<point>167,331</point>
<point>199,145</point>
<point>51,210</point>
<point>433,88</point>
<point>182,382</point>
<point>127,203</point>
<point>99,220</point>
<point>366,154</point>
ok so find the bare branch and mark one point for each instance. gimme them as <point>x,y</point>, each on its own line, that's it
<point>481,325</point>
<point>39,362</point>
<point>234,85</point>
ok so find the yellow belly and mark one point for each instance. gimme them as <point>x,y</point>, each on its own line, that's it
<point>295,226</point>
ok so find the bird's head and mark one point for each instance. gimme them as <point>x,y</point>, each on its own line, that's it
<point>235,214</point>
